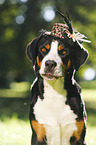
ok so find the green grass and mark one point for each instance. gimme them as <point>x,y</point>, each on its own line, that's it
<point>91,135</point>
<point>89,96</point>
<point>14,114</point>
<point>14,131</point>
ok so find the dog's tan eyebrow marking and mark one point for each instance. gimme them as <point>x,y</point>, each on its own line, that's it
<point>78,132</point>
<point>60,47</point>
<point>47,46</point>
<point>39,129</point>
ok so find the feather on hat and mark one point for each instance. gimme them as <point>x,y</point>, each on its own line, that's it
<point>66,30</point>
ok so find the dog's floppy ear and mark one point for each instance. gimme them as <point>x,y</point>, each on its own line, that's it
<point>31,50</point>
<point>79,55</point>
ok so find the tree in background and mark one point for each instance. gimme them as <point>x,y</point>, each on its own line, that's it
<point>21,21</point>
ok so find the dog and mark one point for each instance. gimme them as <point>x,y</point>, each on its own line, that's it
<point>57,111</point>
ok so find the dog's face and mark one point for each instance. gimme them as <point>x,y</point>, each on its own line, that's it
<point>53,53</point>
<point>53,57</point>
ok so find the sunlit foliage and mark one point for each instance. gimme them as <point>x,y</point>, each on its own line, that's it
<point>21,21</point>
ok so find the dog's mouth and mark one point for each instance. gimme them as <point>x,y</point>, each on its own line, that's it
<point>50,76</point>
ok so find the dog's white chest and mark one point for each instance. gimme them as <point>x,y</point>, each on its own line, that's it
<point>57,117</point>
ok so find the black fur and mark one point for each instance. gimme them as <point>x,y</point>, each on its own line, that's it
<point>78,56</point>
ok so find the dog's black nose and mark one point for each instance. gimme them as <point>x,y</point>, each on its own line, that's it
<point>50,64</point>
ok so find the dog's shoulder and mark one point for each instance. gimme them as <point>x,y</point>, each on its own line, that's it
<point>78,88</point>
<point>37,90</point>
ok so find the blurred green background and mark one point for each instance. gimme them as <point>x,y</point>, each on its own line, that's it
<point>20,22</point>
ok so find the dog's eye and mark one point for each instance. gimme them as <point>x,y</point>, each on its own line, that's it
<point>62,51</point>
<point>43,49</point>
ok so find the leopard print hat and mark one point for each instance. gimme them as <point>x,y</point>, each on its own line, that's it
<point>66,30</point>
<point>60,30</point>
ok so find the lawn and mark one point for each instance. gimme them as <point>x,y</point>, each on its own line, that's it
<point>14,112</point>
<point>14,131</point>
<point>90,101</point>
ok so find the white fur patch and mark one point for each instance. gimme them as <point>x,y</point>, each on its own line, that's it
<point>53,55</point>
<point>54,114</point>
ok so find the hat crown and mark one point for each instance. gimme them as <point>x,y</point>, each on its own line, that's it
<point>60,30</point>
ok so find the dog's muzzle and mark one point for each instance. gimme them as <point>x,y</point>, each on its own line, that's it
<point>50,66</point>
<point>50,70</point>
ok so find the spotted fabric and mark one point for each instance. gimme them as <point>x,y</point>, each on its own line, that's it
<point>60,30</point>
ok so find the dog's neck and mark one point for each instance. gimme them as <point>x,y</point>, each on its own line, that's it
<point>61,85</point>
<point>57,85</point>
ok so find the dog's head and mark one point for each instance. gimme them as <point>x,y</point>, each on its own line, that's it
<point>52,57</point>
<point>55,53</point>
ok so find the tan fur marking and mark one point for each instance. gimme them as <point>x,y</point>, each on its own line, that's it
<point>66,67</point>
<point>69,64</point>
<point>40,63</point>
<point>47,46</point>
<point>80,126</point>
<point>39,129</point>
<point>38,60</point>
<point>60,47</point>
<point>63,68</point>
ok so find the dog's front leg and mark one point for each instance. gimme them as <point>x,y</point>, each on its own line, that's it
<point>39,133</point>
<point>79,135</point>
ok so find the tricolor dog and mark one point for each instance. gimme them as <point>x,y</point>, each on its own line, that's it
<point>57,111</point>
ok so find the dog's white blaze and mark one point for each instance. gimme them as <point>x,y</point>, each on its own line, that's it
<point>53,55</point>
<point>57,117</point>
